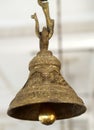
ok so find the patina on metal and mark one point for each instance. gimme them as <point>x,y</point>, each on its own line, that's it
<point>46,96</point>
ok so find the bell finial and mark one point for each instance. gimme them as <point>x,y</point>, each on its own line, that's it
<point>46,32</point>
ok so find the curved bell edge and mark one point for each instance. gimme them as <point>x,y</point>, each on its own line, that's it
<point>62,99</point>
<point>62,110</point>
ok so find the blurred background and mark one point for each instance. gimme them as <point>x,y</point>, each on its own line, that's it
<point>72,43</point>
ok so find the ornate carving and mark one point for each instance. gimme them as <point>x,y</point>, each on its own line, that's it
<point>46,32</point>
<point>45,69</point>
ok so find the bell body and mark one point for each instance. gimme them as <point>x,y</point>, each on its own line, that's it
<point>46,88</point>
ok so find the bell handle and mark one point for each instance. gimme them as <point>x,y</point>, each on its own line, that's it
<point>50,22</point>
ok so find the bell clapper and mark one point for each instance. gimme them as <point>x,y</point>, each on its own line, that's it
<point>47,115</point>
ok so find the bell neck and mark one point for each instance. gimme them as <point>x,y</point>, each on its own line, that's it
<point>44,39</point>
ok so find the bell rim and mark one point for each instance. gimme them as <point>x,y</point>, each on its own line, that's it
<point>82,110</point>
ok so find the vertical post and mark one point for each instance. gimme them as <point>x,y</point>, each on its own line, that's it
<point>59,28</point>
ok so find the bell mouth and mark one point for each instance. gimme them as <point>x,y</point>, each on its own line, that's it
<point>61,110</point>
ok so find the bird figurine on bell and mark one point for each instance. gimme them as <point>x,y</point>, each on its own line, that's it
<point>46,96</point>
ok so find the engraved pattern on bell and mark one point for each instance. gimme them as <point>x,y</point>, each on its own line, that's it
<point>45,85</point>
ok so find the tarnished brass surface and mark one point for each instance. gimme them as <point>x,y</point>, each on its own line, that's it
<point>46,96</point>
<point>46,85</point>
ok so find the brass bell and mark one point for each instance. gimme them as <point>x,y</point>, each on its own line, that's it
<point>46,96</point>
<point>46,93</point>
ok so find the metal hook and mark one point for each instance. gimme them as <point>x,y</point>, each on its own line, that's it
<point>50,22</point>
<point>42,2</point>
